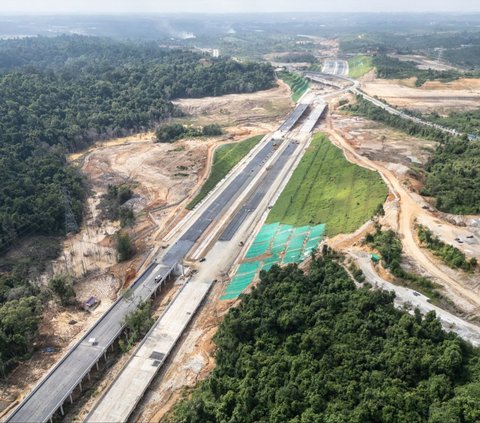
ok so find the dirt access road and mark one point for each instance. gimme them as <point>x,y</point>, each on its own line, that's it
<point>409,209</point>
<point>405,297</point>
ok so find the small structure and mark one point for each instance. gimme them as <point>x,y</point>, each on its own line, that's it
<point>91,304</point>
<point>375,258</point>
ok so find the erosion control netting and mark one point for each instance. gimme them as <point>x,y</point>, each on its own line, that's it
<point>274,244</point>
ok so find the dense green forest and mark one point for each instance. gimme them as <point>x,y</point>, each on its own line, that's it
<point>452,174</point>
<point>59,95</point>
<point>467,122</point>
<point>460,48</point>
<point>296,58</point>
<point>79,93</point>
<point>454,177</point>
<point>466,56</point>
<point>308,348</point>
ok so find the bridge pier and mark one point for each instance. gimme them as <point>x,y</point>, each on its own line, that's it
<point>179,269</point>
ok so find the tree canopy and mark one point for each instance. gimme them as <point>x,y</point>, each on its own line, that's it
<point>61,94</point>
<point>311,347</point>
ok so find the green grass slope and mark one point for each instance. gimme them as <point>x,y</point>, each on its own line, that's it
<point>359,66</point>
<point>297,83</point>
<point>326,188</point>
<point>224,160</point>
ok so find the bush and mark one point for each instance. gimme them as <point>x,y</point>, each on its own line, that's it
<point>212,130</point>
<point>112,201</point>
<point>390,248</point>
<point>137,323</point>
<point>451,255</point>
<point>18,325</point>
<point>170,133</point>
<point>175,131</point>
<point>125,247</point>
<point>62,287</point>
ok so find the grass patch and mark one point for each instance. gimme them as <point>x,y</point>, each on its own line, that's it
<point>297,84</point>
<point>325,188</point>
<point>224,160</point>
<point>359,66</point>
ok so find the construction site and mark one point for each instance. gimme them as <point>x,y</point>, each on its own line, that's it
<point>197,263</point>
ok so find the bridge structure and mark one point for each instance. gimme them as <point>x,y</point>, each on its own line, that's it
<point>61,382</point>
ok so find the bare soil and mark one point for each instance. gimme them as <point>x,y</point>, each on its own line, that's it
<point>442,97</point>
<point>405,206</point>
<point>397,157</point>
<point>241,114</point>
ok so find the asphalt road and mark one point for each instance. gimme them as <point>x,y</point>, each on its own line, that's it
<point>403,115</point>
<point>340,70</point>
<point>122,396</point>
<point>56,387</point>
<point>62,379</point>
<point>257,195</point>
<point>293,118</point>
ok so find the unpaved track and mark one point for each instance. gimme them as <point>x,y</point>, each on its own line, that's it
<point>409,210</point>
<point>408,297</point>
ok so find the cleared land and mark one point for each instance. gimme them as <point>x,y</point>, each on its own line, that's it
<point>325,188</point>
<point>359,66</point>
<point>297,84</point>
<point>433,96</point>
<point>224,160</point>
<point>423,62</point>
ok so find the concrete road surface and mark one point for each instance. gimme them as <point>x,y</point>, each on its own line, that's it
<point>56,387</point>
<point>335,67</point>
<point>128,388</point>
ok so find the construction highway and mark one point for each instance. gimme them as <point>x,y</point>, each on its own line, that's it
<point>229,212</point>
<point>220,249</point>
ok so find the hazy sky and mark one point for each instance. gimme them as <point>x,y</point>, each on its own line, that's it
<point>219,6</point>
